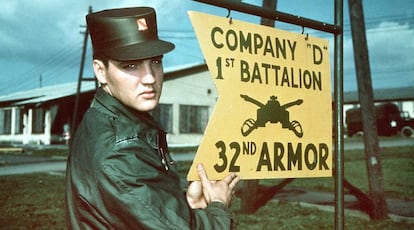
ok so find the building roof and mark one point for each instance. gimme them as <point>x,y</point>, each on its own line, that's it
<point>44,94</point>
<point>49,93</point>
<point>41,95</point>
<point>383,95</point>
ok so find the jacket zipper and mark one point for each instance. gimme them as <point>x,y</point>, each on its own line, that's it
<point>163,158</point>
<point>161,143</point>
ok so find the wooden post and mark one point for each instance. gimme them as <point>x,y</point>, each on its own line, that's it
<point>249,196</point>
<point>269,4</point>
<point>250,187</point>
<point>365,91</point>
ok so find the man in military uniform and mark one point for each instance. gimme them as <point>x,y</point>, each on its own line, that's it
<point>120,174</point>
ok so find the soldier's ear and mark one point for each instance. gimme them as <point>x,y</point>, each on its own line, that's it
<point>100,71</point>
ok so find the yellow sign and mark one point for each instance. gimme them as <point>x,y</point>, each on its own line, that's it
<point>273,117</point>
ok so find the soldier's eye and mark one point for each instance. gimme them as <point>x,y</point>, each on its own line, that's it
<point>157,60</point>
<point>132,66</point>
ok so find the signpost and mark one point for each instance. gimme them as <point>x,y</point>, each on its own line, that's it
<point>273,117</point>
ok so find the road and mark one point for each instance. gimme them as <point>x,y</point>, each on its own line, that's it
<point>387,142</point>
<point>49,166</point>
<point>27,164</point>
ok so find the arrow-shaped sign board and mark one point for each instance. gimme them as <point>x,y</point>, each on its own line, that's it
<point>273,117</point>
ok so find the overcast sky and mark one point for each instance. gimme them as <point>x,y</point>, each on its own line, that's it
<point>41,40</point>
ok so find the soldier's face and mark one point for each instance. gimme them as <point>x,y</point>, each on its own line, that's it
<point>136,84</point>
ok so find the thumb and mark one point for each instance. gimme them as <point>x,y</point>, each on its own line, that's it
<point>203,175</point>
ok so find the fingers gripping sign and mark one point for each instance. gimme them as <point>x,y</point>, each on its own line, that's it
<point>203,192</point>
<point>195,196</point>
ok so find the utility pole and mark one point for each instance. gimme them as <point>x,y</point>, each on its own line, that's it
<point>269,4</point>
<point>80,79</point>
<point>250,192</point>
<point>373,161</point>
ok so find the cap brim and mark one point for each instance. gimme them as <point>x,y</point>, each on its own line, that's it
<point>143,50</point>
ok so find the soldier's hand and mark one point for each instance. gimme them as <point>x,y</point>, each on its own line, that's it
<point>218,191</point>
<point>195,197</point>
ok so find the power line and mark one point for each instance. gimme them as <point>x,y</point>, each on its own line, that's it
<point>50,66</point>
<point>69,53</point>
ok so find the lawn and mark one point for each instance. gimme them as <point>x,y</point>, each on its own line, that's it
<point>36,201</point>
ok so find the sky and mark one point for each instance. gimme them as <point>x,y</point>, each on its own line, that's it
<point>41,40</point>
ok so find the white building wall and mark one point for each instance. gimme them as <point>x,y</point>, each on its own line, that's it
<point>47,135</point>
<point>27,130</point>
<point>196,89</point>
<point>13,121</point>
<point>404,106</point>
<point>28,137</point>
<point>408,107</point>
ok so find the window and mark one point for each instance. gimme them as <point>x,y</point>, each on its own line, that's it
<point>5,121</point>
<point>193,119</point>
<point>38,118</point>
<point>18,125</point>
<point>163,114</point>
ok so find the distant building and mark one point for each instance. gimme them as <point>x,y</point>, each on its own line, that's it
<point>42,115</point>
<point>403,98</point>
<point>188,99</point>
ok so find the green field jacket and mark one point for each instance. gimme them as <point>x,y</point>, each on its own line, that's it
<point>120,176</point>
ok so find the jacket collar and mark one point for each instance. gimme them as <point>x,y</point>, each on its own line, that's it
<point>110,105</point>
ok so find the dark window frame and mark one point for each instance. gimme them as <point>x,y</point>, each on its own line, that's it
<point>193,119</point>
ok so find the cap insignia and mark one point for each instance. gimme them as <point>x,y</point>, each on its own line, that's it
<point>142,24</point>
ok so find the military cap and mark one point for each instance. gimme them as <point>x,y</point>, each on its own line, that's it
<point>126,34</point>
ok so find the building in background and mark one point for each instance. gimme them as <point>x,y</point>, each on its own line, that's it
<point>394,112</point>
<point>44,115</point>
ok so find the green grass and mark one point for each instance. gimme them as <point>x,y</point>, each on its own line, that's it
<point>397,167</point>
<point>283,215</point>
<point>36,201</point>
<point>32,201</point>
